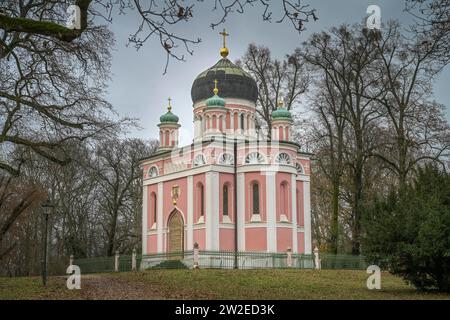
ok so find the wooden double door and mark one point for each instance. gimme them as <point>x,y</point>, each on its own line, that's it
<point>175,235</point>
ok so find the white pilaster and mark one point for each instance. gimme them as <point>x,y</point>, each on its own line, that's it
<point>307,218</point>
<point>159,217</point>
<point>294,213</point>
<point>144,219</point>
<point>224,123</point>
<point>212,210</point>
<point>190,213</point>
<point>196,127</point>
<point>271,212</point>
<point>241,210</point>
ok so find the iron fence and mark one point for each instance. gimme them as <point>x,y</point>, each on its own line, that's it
<point>95,265</point>
<point>221,260</point>
<point>342,261</point>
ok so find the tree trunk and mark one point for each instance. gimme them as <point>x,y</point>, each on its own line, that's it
<point>334,237</point>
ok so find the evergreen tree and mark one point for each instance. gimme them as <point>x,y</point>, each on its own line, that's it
<point>408,232</point>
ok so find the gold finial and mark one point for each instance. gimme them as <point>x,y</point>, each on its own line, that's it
<point>169,107</point>
<point>224,50</point>
<point>216,90</point>
<point>280,103</point>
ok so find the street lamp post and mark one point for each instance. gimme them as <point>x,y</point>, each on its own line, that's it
<point>47,206</point>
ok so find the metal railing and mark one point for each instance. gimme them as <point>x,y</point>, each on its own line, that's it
<point>342,261</point>
<point>95,265</point>
<point>220,260</point>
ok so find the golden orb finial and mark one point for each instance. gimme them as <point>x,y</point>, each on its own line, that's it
<point>280,103</point>
<point>224,50</point>
<point>169,107</point>
<point>216,90</point>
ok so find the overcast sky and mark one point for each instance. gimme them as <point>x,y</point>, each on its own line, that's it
<point>139,89</point>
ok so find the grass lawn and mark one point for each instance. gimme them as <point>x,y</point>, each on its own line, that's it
<point>217,284</point>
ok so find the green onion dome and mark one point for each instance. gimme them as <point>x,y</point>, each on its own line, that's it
<point>281,113</point>
<point>215,100</point>
<point>169,117</point>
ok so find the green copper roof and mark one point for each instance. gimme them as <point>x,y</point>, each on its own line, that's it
<point>215,101</point>
<point>227,66</point>
<point>169,117</point>
<point>281,113</point>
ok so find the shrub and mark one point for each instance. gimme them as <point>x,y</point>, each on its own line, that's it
<point>408,232</point>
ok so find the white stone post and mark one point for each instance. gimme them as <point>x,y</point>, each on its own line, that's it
<point>317,258</point>
<point>196,255</point>
<point>71,260</point>
<point>133,260</point>
<point>116,262</point>
<point>289,257</point>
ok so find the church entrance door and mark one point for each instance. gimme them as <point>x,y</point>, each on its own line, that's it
<point>176,235</point>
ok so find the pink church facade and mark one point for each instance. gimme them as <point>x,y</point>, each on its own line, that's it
<point>230,189</point>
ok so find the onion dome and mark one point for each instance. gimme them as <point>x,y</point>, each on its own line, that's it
<point>234,81</point>
<point>169,117</point>
<point>281,113</point>
<point>215,100</point>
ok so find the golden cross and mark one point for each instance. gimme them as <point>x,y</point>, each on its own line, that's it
<point>224,34</point>
<point>170,106</point>
<point>280,103</point>
<point>216,91</point>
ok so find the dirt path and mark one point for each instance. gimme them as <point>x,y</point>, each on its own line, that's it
<point>105,286</point>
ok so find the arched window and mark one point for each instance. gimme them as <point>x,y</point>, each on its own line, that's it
<point>200,199</point>
<point>166,138</point>
<point>242,121</point>
<point>255,198</point>
<point>225,200</point>
<point>299,168</point>
<point>284,204</point>
<point>299,209</point>
<point>152,172</point>
<point>153,206</point>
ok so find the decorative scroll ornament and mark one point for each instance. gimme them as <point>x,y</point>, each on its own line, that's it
<point>283,158</point>
<point>175,193</point>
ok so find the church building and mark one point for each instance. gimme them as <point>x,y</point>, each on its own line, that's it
<point>230,189</point>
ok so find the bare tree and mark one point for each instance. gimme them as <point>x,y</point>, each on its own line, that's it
<point>157,18</point>
<point>432,26</point>
<point>345,57</point>
<point>329,125</point>
<point>51,91</point>
<point>117,171</point>
<point>277,80</point>
<point>16,198</point>
<point>415,123</point>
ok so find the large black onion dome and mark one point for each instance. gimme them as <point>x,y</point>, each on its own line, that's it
<point>233,82</point>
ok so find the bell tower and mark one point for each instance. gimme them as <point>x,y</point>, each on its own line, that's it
<point>168,129</point>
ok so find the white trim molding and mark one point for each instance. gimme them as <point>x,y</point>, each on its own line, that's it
<point>294,214</point>
<point>144,218</point>
<point>159,218</point>
<point>189,171</point>
<point>307,219</point>
<point>190,214</point>
<point>212,210</point>
<point>241,210</point>
<point>271,217</point>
